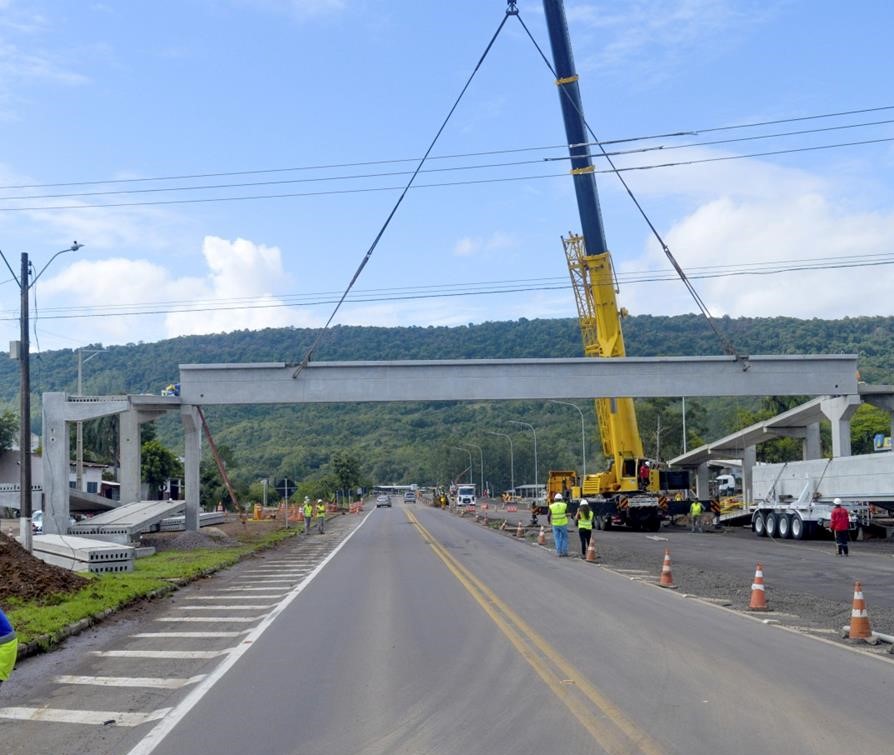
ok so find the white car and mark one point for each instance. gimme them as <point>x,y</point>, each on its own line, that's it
<point>37,522</point>
<point>383,500</point>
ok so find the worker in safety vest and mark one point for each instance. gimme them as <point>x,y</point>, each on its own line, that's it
<point>9,647</point>
<point>644,475</point>
<point>840,523</point>
<point>321,516</point>
<point>695,517</point>
<point>584,519</point>
<point>308,512</point>
<point>558,518</point>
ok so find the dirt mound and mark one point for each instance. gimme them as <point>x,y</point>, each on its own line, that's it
<point>209,537</point>
<point>26,577</point>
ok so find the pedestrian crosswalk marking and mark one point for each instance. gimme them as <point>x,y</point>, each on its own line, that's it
<point>89,717</point>
<point>130,681</point>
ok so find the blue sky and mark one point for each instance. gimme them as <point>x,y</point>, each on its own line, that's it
<point>103,91</point>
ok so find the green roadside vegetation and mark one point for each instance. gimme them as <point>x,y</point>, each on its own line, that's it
<point>44,620</point>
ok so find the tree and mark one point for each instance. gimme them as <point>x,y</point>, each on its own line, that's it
<point>346,469</point>
<point>9,426</point>
<point>158,465</point>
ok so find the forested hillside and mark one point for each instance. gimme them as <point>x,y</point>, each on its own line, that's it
<point>412,442</point>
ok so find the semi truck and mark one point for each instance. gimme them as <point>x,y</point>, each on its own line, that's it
<point>795,499</point>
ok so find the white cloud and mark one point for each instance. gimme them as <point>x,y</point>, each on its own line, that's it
<point>469,245</point>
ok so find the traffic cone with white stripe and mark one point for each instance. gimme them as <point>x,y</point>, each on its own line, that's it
<point>860,628</point>
<point>541,538</point>
<point>591,549</point>
<point>519,531</point>
<point>667,579</point>
<point>758,594</point>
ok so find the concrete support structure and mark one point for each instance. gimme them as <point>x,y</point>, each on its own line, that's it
<point>129,455</point>
<point>749,459</point>
<point>192,428</point>
<point>702,481</point>
<point>839,410</point>
<point>811,448</point>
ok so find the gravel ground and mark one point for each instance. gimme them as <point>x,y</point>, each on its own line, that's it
<point>802,610</point>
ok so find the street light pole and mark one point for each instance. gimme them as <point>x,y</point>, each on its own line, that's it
<point>25,389</point>
<point>511,458</point>
<point>480,462</point>
<point>583,437</point>
<point>531,428</point>
<point>471,476</point>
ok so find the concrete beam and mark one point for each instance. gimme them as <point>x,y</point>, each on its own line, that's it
<point>129,455</point>
<point>192,429</point>
<point>55,465</point>
<point>535,379</point>
<point>811,447</point>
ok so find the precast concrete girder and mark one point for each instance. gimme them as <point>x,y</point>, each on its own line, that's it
<point>506,379</point>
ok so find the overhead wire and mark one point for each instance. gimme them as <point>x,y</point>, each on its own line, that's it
<point>452,290</point>
<point>485,153</point>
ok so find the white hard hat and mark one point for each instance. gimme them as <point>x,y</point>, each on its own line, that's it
<point>837,501</point>
<point>584,502</point>
<point>557,497</point>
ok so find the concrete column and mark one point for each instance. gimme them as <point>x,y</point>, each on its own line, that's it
<point>839,410</point>
<point>702,490</point>
<point>749,459</point>
<point>129,455</point>
<point>810,446</point>
<point>192,428</point>
<point>55,463</point>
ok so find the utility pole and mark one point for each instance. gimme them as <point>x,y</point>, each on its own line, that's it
<point>24,346</point>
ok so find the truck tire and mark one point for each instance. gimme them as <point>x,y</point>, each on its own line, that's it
<point>772,524</point>
<point>759,525</point>
<point>653,523</point>
<point>607,523</point>
<point>785,526</point>
<point>799,530</point>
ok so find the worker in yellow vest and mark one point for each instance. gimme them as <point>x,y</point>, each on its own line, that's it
<point>321,516</point>
<point>695,516</point>
<point>308,512</point>
<point>9,647</point>
<point>558,519</point>
<point>584,519</point>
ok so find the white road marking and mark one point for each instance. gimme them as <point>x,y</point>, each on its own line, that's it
<point>130,681</point>
<point>265,581</point>
<point>162,729</point>
<point>178,654</point>
<point>221,607</point>
<point>228,597</point>
<point>219,619</point>
<point>91,717</point>
<point>193,635</point>
<point>277,590</point>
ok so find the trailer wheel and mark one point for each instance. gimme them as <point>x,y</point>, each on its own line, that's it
<point>653,523</point>
<point>785,526</point>
<point>759,525</point>
<point>607,523</point>
<point>798,528</point>
<point>772,524</point>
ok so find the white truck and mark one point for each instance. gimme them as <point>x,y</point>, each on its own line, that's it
<point>465,495</point>
<point>795,499</point>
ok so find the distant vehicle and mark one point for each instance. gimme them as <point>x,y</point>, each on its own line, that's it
<point>409,497</point>
<point>171,390</point>
<point>383,500</point>
<point>465,495</point>
<point>37,522</point>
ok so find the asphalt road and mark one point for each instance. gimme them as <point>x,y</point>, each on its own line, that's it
<point>426,633</point>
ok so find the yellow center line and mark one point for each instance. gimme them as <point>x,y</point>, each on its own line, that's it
<point>555,670</point>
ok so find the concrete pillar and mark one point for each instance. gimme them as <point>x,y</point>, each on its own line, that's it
<point>55,463</point>
<point>810,446</point>
<point>129,456</point>
<point>839,410</point>
<point>192,429</point>
<point>749,459</point>
<point>702,490</point>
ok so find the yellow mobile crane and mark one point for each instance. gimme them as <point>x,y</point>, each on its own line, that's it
<point>629,491</point>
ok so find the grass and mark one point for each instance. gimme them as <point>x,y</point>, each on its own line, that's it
<point>45,620</point>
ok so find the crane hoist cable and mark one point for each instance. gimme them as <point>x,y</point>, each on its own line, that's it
<point>725,342</point>
<point>366,257</point>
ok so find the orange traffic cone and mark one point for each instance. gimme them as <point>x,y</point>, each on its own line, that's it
<point>541,538</point>
<point>591,550</point>
<point>667,579</point>
<point>860,629</point>
<point>519,531</point>
<point>758,594</point>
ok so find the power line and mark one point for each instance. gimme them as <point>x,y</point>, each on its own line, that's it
<point>441,184</point>
<point>482,288</point>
